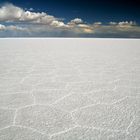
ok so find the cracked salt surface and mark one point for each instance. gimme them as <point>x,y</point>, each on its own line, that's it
<point>69,89</point>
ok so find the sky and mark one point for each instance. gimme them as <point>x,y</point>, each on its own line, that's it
<point>70,18</point>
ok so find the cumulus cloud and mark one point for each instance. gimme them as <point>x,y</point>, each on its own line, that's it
<point>113,23</point>
<point>131,23</point>
<point>97,23</point>
<point>79,26</point>
<point>123,23</point>
<point>12,13</point>
<point>31,16</point>
<point>15,28</point>
<point>75,21</point>
<point>21,20</point>
<point>2,27</point>
<point>12,28</point>
<point>9,12</point>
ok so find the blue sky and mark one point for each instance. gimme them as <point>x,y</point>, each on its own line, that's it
<point>73,18</point>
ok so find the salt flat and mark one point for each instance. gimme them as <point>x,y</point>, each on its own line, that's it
<point>69,89</point>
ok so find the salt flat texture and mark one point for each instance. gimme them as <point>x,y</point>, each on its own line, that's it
<point>69,89</point>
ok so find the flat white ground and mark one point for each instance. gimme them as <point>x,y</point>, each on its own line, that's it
<point>69,89</point>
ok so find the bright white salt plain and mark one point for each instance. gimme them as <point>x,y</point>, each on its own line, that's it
<point>69,89</point>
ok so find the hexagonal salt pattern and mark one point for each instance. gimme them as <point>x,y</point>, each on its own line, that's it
<point>81,133</point>
<point>76,89</point>
<point>6,117</point>
<point>72,102</point>
<point>21,133</point>
<point>15,100</point>
<point>49,96</point>
<point>112,117</point>
<point>45,119</point>
<point>134,127</point>
<point>78,100</point>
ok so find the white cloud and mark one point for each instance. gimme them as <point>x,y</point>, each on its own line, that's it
<point>15,28</point>
<point>58,23</point>
<point>123,23</point>
<point>77,25</point>
<point>9,12</point>
<point>127,23</point>
<point>30,16</point>
<point>12,28</point>
<point>97,23</point>
<point>20,18</point>
<point>2,27</point>
<point>12,13</point>
<point>113,23</point>
<point>75,21</point>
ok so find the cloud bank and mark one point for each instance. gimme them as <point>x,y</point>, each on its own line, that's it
<point>18,22</point>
